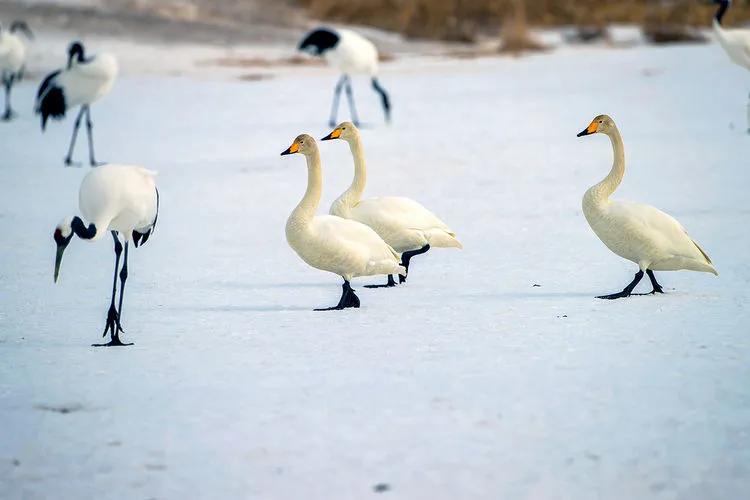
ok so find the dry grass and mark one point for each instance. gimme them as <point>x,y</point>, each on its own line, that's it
<point>515,37</point>
<point>464,19</point>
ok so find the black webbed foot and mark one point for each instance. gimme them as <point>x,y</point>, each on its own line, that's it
<point>391,282</point>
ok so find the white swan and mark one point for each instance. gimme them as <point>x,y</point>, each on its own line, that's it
<point>403,223</point>
<point>330,243</point>
<point>639,233</point>
<point>735,42</point>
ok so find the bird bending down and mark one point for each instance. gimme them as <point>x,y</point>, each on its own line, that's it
<point>82,82</point>
<point>12,61</point>
<point>639,233</point>
<point>404,224</point>
<point>329,243</point>
<point>123,200</point>
<point>351,54</point>
<point>735,42</point>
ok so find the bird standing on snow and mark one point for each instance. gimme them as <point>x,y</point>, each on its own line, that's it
<point>83,81</point>
<point>351,54</point>
<point>12,61</point>
<point>329,243</point>
<point>639,233</point>
<point>403,223</point>
<point>736,43</point>
<point>120,199</point>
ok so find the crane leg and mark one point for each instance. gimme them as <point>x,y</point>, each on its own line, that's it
<point>384,100</point>
<point>748,116</point>
<point>113,316</point>
<point>90,131</point>
<point>335,104</point>
<point>350,97</point>
<point>9,114</point>
<point>627,291</point>
<point>69,157</point>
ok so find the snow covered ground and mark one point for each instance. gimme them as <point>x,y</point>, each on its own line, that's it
<point>468,382</point>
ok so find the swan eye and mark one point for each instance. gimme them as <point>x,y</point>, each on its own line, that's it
<point>601,121</point>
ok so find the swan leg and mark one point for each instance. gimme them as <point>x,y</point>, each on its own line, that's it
<point>385,101</point>
<point>9,114</point>
<point>113,316</point>
<point>348,299</point>
<point>350,98</point>
<point>335,104</point>
<point>69,157</point>
<point>391,282</point>
<point>90,132</point>
<point>406,258</point>
<point>627,290</point>
<point>657,287</point>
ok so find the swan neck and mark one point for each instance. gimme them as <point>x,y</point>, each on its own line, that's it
<point>354,194</point>
<point>305,209</point>
<point>603,190</point>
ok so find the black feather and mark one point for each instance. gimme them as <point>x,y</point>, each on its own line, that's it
<point>319,41</point>
<point>140,239</point>
<point>50,100</point>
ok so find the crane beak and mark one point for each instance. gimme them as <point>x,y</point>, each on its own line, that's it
<point>591,129</point>
<point>333,135</point>
<point>62,244</point>
<point>294,148</point>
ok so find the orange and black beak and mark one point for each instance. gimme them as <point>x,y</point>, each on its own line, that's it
<point>294,148</point>
<point>591,129</point>
<point>333,135</point>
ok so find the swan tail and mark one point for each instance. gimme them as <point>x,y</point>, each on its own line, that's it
<point>439,238</point>
<point>708,266</point>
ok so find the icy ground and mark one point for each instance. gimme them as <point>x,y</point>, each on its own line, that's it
<point>469,382</point>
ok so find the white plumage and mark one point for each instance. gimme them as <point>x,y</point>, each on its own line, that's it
<point>642,234</point>
<point>119,199</point>
<point>351,54</point>
<point>12,61</point>
<point>84,81</point>
<point>403,223</point>
<point>329,243</point>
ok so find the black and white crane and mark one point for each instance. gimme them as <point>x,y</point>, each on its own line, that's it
<point>12,60</point>
<point>123,200</point>
<point>735,42</point>
<point>352,54</point>
<point>83,81</point>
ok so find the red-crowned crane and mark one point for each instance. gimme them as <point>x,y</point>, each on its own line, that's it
<point>12,60</point>
<point>123,200</point>
<point>352,54</point>
<point>83,81</point>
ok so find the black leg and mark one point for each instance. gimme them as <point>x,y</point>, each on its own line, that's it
<point>406,258</point>
<point>8,114</point>
<point>113,316</point>
<point>390,283</point>
<point>69,157</point>
<point>657,287</point>
<point>348,299</point>
<point>627,290</point>
<point>350,97</point>
<point>90,130</point>
<point>336,95</point>
<point>385,101</point>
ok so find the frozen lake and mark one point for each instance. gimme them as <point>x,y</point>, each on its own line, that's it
<point>468,382</point>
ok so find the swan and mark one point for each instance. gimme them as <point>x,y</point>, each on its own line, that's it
<point>329,243</point>
<point>639,233</point>
<point>735,42</point>
<point>403,223</point>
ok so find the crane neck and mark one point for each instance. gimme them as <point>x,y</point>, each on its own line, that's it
<point>723,6</point>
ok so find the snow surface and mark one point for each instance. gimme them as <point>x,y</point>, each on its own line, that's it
<point>468,382</point>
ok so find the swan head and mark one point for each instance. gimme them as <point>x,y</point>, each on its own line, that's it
<point>602,124</point>
<point>344,130</point>
<point>303,144</point>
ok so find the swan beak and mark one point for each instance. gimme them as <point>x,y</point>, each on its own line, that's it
<point>294,148</point>
<point>62,244</point>
<point>333,135</point>
<point>591,129</point>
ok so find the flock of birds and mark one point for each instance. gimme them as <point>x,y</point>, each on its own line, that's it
<point>359,237</point>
